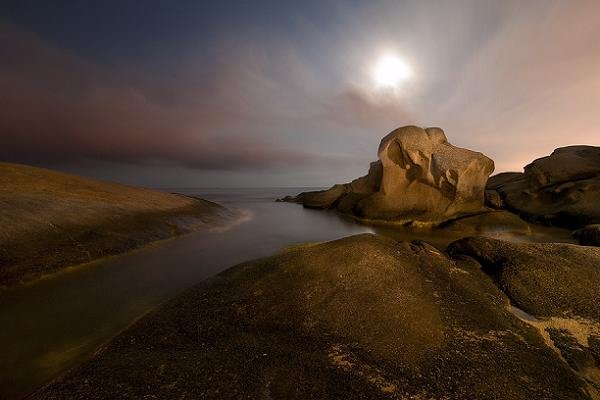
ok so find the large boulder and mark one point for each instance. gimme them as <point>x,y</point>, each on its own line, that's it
<point>544,279</point>
<point>419,177</point>
<point>561,189</point>
<point>555,288</point>
<point>363,317</point>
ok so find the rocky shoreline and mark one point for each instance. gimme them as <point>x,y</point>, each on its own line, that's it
<point>422,180</point>
<point>367,317</point>
<point>561,189</point>
<point>371,317</point>
<point>52,220</point>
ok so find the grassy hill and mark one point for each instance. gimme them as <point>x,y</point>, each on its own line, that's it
<point>50,220</point>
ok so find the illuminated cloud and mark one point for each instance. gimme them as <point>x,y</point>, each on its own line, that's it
<point>296,96</point>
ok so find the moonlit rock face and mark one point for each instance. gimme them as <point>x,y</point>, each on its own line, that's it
<point>426,178</point>
<point>419,177</point>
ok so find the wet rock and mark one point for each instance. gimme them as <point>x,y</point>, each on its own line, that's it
<point>487,222</point>
<point>361,317</point>
<point>419,177</point>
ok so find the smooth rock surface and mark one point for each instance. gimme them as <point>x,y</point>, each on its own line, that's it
<point>562,189</point>
<point>487,222</point>
<point>419,177</point>
<point>361,317</point>
<point>51,220</point>
<point>557,284</point>
<point>544,279</point>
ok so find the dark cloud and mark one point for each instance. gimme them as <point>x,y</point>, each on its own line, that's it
<point>59,108</point>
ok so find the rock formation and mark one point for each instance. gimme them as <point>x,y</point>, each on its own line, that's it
<point>51,220</point>
<point>544,279</point>
<point>588,235</point>
<point>556,285</point>
<point>365,317</point>
<point>561,189</point>
<point>419,177</point>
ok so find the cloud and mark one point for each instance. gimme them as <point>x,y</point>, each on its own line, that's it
<point>532,85</point>
<point>58,108</point>
<point>357,107</point>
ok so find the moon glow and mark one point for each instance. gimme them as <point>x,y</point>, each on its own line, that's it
<point>390,71</point>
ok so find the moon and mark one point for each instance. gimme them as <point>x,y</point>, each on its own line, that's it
<point>390,71</point>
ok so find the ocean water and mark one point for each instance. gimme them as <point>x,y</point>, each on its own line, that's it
<point>58,322</point>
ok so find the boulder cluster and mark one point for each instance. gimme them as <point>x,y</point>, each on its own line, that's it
<point>562,189</point>
<point>372,318</point>
<point>422,179</point>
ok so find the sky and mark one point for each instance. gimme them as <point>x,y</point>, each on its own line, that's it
<point>283,93</point>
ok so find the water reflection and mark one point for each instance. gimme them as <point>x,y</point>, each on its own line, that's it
<point>51,325</point>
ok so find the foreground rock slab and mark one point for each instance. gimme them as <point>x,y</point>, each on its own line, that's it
<point>362,317</point>
<point>419,176</point>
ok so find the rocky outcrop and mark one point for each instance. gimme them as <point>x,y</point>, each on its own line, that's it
<point>419,177</point>
<point>544,279</point>
<point>556,288</point>
<point>51,220</point>
<point>562,189</point>
<point>362,317</point>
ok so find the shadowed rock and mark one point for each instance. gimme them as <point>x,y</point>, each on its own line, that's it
<point>589,235</point>
<point>559,284</point>
<point>561,189</point>
<point>362,317</point>
<point>419,177</point>
<point>544,279</point>
<point>487,222</point>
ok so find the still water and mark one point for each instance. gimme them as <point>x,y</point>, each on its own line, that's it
<point>56,323</point>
